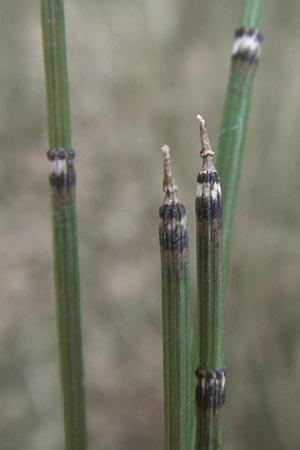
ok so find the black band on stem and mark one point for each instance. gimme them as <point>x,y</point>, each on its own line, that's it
<point>210,390</point>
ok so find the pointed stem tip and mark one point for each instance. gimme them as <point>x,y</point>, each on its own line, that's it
<point>206,151</point>
<point>169,186</point>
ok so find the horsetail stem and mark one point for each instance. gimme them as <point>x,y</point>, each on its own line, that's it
<point>252,13</point>
<point>56,72</point>
<point>173,235</point>
<point>245,56</point>
<point>65,253</point>
<point>210,373</point>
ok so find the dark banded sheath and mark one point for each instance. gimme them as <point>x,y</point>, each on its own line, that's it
<point>210,373</point>
<point>173,235</point>
<point>64,229</point>
<point>244,59</point>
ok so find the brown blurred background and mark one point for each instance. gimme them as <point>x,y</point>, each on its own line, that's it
<point>139,72</point>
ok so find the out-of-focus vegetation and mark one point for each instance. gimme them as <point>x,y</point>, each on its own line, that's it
<point>139,72</point>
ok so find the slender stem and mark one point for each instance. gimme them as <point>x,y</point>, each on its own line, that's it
<point>245,55</point>
<point>209,258</point>
<point>210,390</point>
<point>173,235</point>
<point>62,183</point>
<point>53,30</point>
<point>252,13</point>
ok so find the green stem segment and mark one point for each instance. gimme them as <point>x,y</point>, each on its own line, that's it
<point>173,235</point>
<point>210,389</point>
<point>245,56</point>
<point>252,13</point>
<point>62,183</point>
<point>57,86</point>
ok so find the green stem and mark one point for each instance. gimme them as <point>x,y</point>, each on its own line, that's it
<point>252,13</point>
<point>62,183</point>
<point>210,390</point>
<point>176,311</point>
<point>231,144</point>
<point>54,42</point>
<point>245,56</point>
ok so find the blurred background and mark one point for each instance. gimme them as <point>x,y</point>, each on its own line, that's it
<point>139,72</point>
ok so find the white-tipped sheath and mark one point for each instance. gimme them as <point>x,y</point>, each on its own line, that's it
<point>247,41</point>
<point>247,46</point>
<point>210,372</point>
<point>173,236</point>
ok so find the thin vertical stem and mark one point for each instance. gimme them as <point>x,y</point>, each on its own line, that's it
<point>210,373</point>
<point>245,56</point>
<point>56,73</point>
<point>252,13</point>
<point>173,235</point>
<point>62,183</point>
<point>209,257</point>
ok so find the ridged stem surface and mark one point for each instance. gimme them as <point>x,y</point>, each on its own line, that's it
<point>210,372</point>
<point>62,184</point>
<point>56,73</point>
<point>245,56</point>
<point>173,235</point>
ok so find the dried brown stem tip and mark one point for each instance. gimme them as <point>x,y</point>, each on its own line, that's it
<point>169,186</point>
<point>206,151</point>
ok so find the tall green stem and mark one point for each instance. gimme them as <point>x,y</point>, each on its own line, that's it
<point>245,55</point>
<point>252,13</point>
<point>173,235</point>
<point>210,373</point>
<point>56,72</point>
<point>62,183</point>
